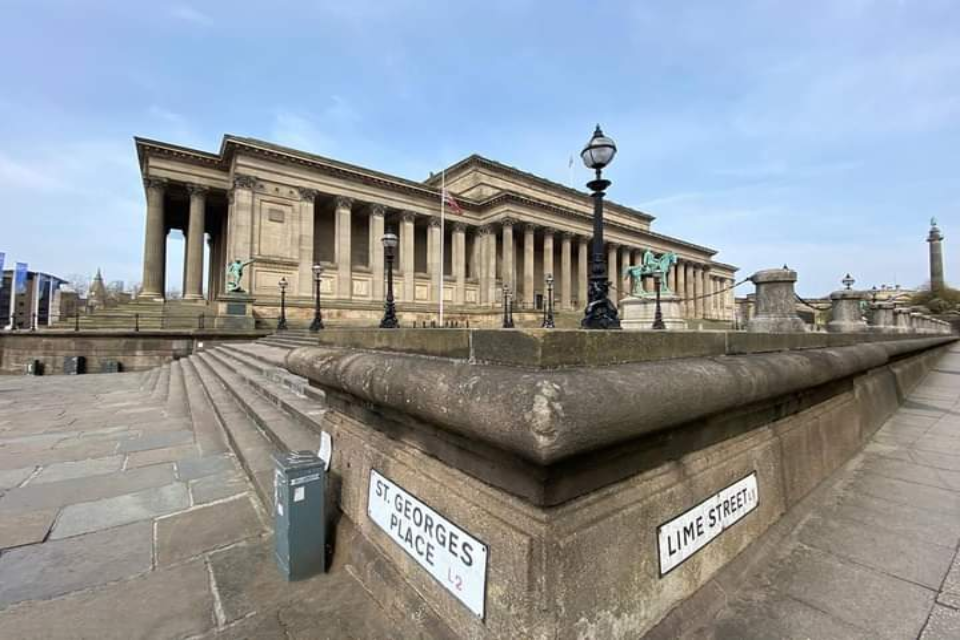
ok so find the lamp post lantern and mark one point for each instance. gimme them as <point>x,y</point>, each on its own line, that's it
<point>317,323</point>
<point>282,325</point>
<point>548,322</point>
<point>848,281</point>
<point>600,312</point>
<point>389,320</point>
<point>657,314</point>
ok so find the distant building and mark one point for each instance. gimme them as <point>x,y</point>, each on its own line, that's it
<point>29,300</point>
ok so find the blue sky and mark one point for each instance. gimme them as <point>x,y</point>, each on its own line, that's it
<point>821,134</point>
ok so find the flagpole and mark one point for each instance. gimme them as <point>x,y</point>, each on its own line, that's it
<point>443,196</point>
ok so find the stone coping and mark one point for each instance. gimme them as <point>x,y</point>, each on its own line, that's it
<point>143,333</point>
<point>545,416</point>
<point>554,348</point>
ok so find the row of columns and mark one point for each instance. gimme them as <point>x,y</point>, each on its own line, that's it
<point>690,280</point>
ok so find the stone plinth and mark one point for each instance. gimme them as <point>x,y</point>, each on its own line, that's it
<point>901,319</point>
<point>562,451</point>
<point>846,312</point>
<point>638,313</point>
<point>776,303</point>
<point>235,312</point>
<point>883,320</point>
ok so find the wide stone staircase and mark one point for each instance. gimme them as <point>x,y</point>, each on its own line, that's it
<point>146,315</point>
<point>243,392</point>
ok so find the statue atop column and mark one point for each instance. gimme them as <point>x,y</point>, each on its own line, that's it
<point>235,275</point>
<point>935,239</point>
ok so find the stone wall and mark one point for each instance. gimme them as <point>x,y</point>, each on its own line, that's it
<point>564,451</point>
<point>136,351</point>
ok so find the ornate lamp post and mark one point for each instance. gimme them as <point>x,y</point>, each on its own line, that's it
<point>282,325</point>
<point>600,312</point>
<point>657,315</point>
<point>548,307</point>
<point>507,308</point>
<point>848,281</point>
<point>389,320</point>
<point>317,323</point>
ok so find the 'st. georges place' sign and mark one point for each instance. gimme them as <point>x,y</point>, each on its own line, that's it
<point>452,556</point>
<point>689,532</point>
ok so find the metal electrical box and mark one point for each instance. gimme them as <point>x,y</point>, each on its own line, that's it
<point>110,366</point>
<point>299,494</point>
<point>34,368</point>
<point>74,365</point>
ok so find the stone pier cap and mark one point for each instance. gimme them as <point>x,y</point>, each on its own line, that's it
<point>547,396</point>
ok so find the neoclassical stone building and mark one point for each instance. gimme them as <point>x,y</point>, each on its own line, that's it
<point>288,209</point>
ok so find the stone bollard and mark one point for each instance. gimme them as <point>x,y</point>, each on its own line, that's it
<point>916,322</point>
<point>847,317</point>
<point>901,318</point>
<point>883,318</point>
<point>776,306</point>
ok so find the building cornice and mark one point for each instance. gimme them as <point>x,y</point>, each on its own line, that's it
<point>231,145</point>
<point>476,160</point>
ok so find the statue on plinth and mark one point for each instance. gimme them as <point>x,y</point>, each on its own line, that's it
<point>235,274</point>
<point>652,266</point>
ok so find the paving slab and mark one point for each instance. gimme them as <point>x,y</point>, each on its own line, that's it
<point>860,596</point>
<point>11,478</point>
<point>780,619</point>
<point>172,603</point>
<point>206,466</point>
<point>65,492</point>
<point>62,566</point>
<point>248,580</point>
<point>25,528</point>
<point>944,624</point>
<point>79,469</point>
<point>85,517</point>
<point>157,456</point>
<point>192,532</point>
<point>162,440</point>
<point>872,546</point>
<point>218,486</point>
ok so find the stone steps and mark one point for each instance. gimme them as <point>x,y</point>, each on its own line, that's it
<point>162,385</point>
<point>249,443</point>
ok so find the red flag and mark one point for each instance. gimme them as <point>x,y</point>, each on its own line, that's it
<point>451,202</point>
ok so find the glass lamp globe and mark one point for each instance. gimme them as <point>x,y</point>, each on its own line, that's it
<point>390,240</point>
<point>599,151</point>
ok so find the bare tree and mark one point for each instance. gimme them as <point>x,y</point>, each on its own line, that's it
<point>79,283</point>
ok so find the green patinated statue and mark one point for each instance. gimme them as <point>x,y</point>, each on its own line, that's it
<point>652,266</point>
<point>235,274</point>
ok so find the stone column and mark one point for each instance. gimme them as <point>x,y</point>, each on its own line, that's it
<point>344,208</point>
<point>482,270</point>
<point>705,290</point>
<point>583,261</point>
<point>459,257</point>
<point>529,286</point>
<point>936,257</point>
<point>776,309</point>
<point>509,264</point>
<point>434,267</point>
<point>407,254</point>
<point>681,269</point>
<point>690,289</point>
<point>305,286</point>
<point>846,313</point>
<point>492,268</point>
<point>612,250</point>
<point>193,258</point>
<point>696,290</point>
<point>154,243</point>
<point>548,254</point>
<point>377,214</point>
<point>623,279</point>
<point>566,270</point>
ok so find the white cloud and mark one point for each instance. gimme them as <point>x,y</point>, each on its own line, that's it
<point>190,14</point>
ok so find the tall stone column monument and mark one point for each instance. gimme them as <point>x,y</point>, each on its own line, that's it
<point>935,239</point>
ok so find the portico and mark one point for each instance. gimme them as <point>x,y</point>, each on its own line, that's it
<point>288,210</point>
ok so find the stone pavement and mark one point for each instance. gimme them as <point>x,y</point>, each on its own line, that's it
<point>875,555</point>
<point>121,518</point>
